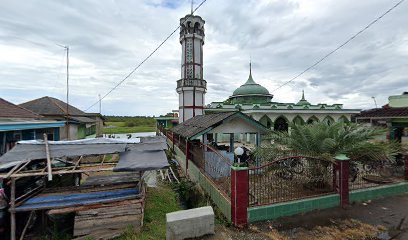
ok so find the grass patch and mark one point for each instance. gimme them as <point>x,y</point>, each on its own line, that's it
<point>159,201</point>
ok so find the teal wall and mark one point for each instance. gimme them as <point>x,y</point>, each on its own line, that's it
<point>270,212</point>
<point>378,192</point>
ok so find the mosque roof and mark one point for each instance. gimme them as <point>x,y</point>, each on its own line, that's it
<point>250,88</point>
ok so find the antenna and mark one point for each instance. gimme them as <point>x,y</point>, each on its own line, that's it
<point>375,102</point>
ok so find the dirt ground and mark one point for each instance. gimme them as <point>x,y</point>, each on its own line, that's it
<point>380,219</point>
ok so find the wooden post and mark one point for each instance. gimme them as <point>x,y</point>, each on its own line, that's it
<point>406,167</point>
<point>12,210</point>
<point>187,143</point>
<point>47,150</point>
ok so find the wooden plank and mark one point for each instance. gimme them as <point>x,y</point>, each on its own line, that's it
<point>174,175</point>
<point>47,151</point>
<point>90,207</point>
<point>12,212</point>
<point>84,189</point>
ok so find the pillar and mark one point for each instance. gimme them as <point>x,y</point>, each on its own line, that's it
<point>239,196</point>
<point>342,178</point>
<point>231,142</point>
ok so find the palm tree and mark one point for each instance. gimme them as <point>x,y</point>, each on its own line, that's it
<point>324,141</point>
<point>321,142</point>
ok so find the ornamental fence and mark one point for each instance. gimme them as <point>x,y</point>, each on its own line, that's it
<point>366,174</point>
<point>290,178</point>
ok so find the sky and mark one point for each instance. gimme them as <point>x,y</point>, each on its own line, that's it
<point>108,38</point>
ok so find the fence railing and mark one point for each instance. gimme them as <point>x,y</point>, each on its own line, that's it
<point>289,179</point>
<point>366,174</point>
<point>210,161</point>
<point>213,164</point>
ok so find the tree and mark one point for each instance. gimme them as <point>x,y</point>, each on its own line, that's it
<point>321,142</point>
<point>325,141</point>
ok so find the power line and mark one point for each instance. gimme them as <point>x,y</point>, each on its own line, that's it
<point>342,45</point>
<point>145,59</point>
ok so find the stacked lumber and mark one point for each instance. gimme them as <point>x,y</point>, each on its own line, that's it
<point>108,221</point>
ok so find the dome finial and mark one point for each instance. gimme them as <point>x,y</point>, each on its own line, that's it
<point>192,2</point>
<point>250,65</point>
<point>303,94</point>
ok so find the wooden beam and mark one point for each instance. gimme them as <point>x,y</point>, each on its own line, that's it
<point>77,163</point>
<point>47,151</point>
<point>12,211</point>
<point>20,168</point>
<point>12,170</point>
<point>61,172</point>
<point>26,226</point>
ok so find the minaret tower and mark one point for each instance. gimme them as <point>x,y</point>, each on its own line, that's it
<point>191,87</point>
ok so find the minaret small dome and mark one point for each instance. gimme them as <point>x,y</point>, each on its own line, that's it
<point>303,101</point>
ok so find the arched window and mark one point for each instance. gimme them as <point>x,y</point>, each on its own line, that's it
<point>312,119</point>
<point>343,119</point>
<point>298,120</point>
<point>328,120</point>
<point>266,121</point>
<point>281,124</point>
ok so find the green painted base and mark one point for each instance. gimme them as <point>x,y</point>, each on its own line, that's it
<point>274,211</point>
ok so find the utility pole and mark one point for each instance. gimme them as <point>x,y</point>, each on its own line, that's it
<point>100,104</point>
<point>67,116</point>
<point>67,109</point>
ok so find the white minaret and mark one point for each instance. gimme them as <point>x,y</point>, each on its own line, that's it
<point>191,87</point>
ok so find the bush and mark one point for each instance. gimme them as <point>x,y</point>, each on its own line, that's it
<point>130,124</point>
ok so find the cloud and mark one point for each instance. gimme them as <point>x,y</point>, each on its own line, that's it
<point>283,37</point>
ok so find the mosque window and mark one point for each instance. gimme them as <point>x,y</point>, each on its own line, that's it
<point>189,50</point>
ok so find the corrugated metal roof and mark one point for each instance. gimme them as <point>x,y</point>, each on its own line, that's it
<point>199,124</point>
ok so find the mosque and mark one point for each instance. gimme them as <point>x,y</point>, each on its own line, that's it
<point>250,98</point>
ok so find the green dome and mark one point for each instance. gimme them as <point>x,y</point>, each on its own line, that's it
<point>250,88</point>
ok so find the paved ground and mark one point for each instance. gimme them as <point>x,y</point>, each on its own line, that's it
<point>384,217</point>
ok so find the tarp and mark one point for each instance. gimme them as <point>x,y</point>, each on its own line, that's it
<point>153,139</point>
<point>152,146</point>
<point>35,149</point>
<point>131,161</point>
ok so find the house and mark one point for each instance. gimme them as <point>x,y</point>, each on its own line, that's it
<point>18,123</point>
<point>168,121</point>
<point>78,123</point>
<point>393,116</point>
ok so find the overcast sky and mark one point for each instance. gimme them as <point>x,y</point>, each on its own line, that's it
<point>108,38</point>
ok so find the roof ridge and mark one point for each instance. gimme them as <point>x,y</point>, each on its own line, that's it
<point>53,101</point>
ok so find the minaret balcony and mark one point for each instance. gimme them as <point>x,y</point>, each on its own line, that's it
<point>192,83</point>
